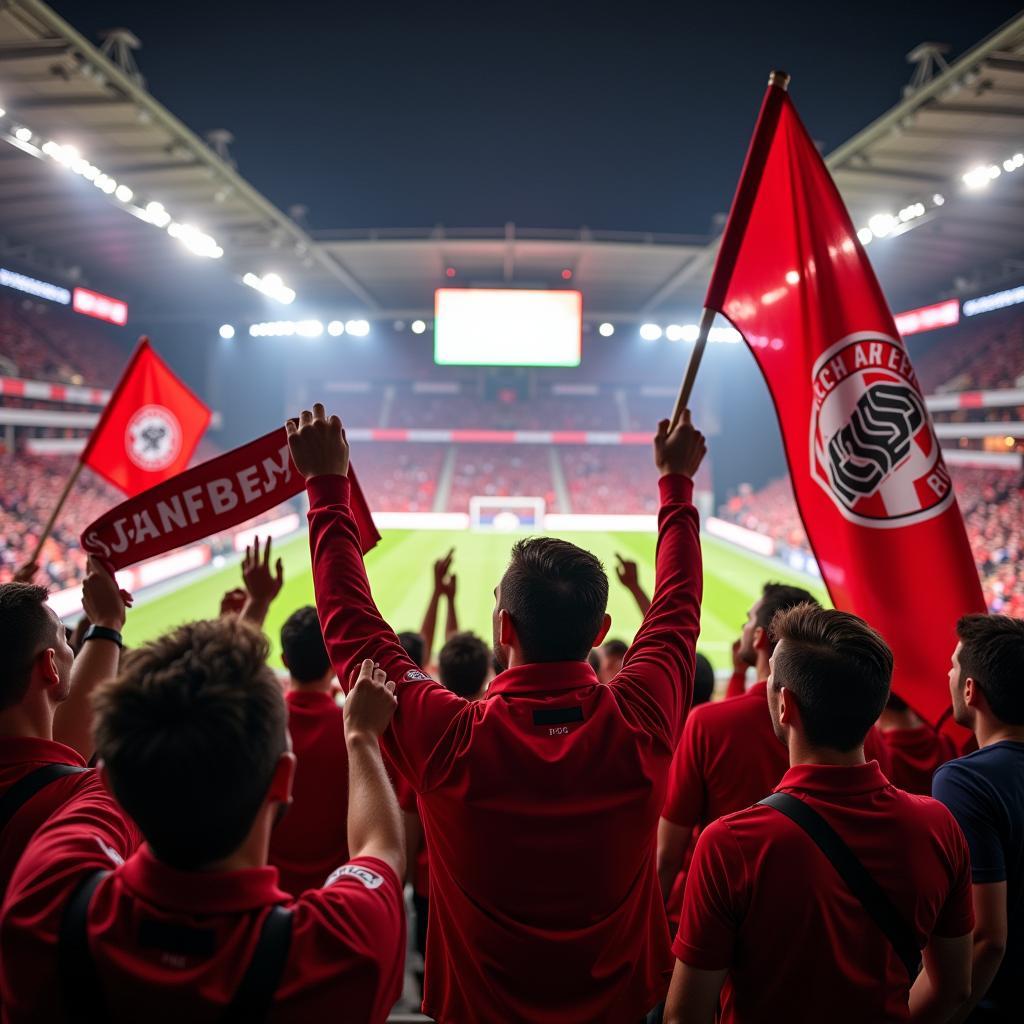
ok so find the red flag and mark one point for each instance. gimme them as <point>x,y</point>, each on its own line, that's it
<point>873,491</point>
<point>215,495</point>
<point>149,428</point>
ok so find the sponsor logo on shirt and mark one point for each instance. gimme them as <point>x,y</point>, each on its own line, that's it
<point>414,675</point>
<point>369,878</point>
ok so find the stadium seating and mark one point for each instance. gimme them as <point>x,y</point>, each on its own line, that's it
<point>399,477</point>
<point>500,471</point>
<point>603,478</point>
<point>988,353</point>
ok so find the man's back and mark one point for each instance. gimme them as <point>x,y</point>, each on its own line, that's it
<point>311,840</point>
<point>172,945</point>
<point>985,792</point>
<point>20,756</point>
<point>540,802</point>
<point>763,899</point>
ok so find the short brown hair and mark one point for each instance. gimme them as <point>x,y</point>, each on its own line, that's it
<point>993,656</point>
<point>25,630</point>
<point>838,668</point>
<point>556,594</point>
<point>190,733</point>
<point>779,597</point>
<point>464,663</point>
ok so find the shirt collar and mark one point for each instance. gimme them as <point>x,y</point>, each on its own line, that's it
<point>29,749</point>
<point>835,779</point>
<point>543,677</point>
<point>199,892</point>
<point>309,699</point>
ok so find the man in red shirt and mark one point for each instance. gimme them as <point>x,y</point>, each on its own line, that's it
<point>769,916</point>
<point>539,802</point>
<point>915,748</point>
<point>192,926</point>
<point>42,682</point>
<point>311,840</point>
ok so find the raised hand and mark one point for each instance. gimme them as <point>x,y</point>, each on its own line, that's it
<point>627,572</point>
<point>441,569</point>
<point>103,602</point>
<point>233,601</point>
<point>318,444</point>
<point>681,450</point>
<point>262,585</point>
<point>370,704</point>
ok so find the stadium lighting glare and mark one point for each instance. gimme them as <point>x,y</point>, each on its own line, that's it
<point>3,113</point>
<point>358,328</point>
<point>335,328</point>
<point>882,224</point>
<point>606,330</point>
<point>997,300</point>
<point>124,194</point>
<point>156,214</point>
<point>195,240</point>
<point>866,236</point>
<point>309,328</point>
<point>227,332</point>
<point>674,332</point>
<point>23,134</point>
<point>650,332</point>
<point>690,332</point>
<point>272,286</point>
<point>938,199</point>
<point>418,327</point>
<point>979,177</point>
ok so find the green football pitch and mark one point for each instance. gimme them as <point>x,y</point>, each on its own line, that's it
<point>401,574</point>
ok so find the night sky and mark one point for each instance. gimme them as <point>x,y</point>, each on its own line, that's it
<point>631,116</point>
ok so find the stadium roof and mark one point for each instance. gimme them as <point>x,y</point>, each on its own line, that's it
<point>60,87</point>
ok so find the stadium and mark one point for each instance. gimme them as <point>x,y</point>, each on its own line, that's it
<point>494,383</point>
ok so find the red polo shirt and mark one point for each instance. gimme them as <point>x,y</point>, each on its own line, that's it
<point>20,755</point>
<point>915,754</point>
<point>762,900</point>
<point>312,838</point>
<point>729,758</point>
<point>539,802</point>
<point>347,946</point>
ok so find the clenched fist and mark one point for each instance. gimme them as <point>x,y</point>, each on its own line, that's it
<point>681,450</point>
<point>318,444</point>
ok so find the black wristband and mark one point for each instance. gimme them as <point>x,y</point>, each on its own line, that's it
<point>103,633</point>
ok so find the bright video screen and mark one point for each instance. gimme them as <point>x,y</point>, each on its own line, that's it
<point>506,327</point>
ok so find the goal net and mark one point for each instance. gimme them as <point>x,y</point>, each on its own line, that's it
<point>505,514</point>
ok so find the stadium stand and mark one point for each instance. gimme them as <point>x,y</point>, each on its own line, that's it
<point>501,471</point>
<point>399,477</point>
<point>602,478</point>
<point>986,354</point>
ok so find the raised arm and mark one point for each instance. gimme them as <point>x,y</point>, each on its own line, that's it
<point>629,577</point>
<point>429,628</point>
<point>105,605</point>
<point>353,628</point>
<point>374,818</point>
<point>656,680</point>
<point>261,585</point>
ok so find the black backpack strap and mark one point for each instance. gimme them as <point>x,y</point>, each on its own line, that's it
<point>871,895</point>
<point>28,785</point>
<point>255,994</point>
<point>80,985</point>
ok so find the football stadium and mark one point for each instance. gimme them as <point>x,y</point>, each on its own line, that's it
<point>214,400</point>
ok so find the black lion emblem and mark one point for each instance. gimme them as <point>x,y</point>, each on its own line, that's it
<point>876,440</point>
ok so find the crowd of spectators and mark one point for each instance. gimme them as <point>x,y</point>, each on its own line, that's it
<point>992,503</point>
<point>975,356</point>
<point>500,471</point>
<point>397,476</point>
<point>602,479</point>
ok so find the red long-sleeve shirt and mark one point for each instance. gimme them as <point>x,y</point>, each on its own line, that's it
<point>539,802</point>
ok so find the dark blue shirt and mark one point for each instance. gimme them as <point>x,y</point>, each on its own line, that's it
<point>985,792</point>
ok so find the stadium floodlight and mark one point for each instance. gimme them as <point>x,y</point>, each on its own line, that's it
<point>418,326</point>
<point>109,186</point>
<point>650,332</point>
<point>979,177</point>
<point>690,332</point>
<point>674,332</point>
<point>309,328</point>
<point>227,332</point>
<point>272,286</point>
<point>606,330</point>
<point>3,113</point>
<point>335,328</point>
<point>866,236</point>
<point>881,224</point>
<point>23,134</point>
<point>124,194</point>
<point>938,199</point>
<point>156,214</point>
<point>358,328</point>
<point>195,240</point>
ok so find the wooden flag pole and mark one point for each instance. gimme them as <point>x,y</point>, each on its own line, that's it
<point>707,318</point>
<point>56,512</point>
<point>746,190</point>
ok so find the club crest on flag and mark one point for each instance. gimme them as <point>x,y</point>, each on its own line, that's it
<point>153,438</point>
<point>873,449</point>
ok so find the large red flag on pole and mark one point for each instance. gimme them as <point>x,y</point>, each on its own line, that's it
<point>873,491</point>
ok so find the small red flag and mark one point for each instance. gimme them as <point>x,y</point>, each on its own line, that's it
<point>873,490</point>
<point>149,428</point>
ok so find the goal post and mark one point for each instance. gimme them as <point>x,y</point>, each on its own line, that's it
<point>506,514</point>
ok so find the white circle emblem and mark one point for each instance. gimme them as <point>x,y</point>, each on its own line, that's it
<point>153,438</point>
